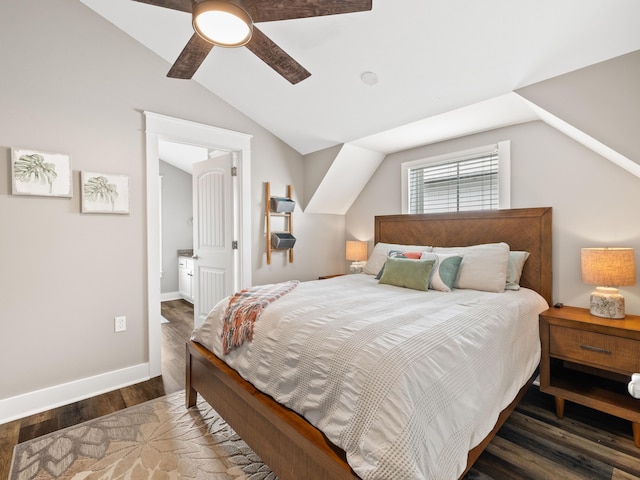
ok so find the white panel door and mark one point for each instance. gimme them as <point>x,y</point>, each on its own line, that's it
<point>213,231</point>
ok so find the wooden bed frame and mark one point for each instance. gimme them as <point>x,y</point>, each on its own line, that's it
<point>285,441</point>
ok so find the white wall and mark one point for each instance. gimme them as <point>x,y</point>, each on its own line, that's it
<point>316,166</point>
<point>71,82</point>
<point>594,201</point>
<point>177,222</point>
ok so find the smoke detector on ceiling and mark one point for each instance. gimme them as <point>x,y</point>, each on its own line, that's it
<point>369,78</point>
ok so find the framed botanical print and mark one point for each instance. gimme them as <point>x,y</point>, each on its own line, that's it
<point>104,193</point>
<point>46,174</point>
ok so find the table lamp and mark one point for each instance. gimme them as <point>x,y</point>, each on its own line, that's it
<point>357,253</point>
<point>609,268</point>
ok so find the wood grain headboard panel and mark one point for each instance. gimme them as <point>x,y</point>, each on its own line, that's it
<point>527,229</point>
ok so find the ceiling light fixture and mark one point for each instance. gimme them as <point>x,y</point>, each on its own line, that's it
<point>223,23</point>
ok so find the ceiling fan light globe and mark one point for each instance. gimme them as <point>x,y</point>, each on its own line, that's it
<point>222,23</point>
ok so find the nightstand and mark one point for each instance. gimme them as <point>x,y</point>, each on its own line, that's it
<point>589,360</point>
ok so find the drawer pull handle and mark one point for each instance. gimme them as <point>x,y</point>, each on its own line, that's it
<point>595,349</point>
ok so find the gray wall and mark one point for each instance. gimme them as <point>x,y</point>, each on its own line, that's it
<point>177,222</point>
<point>602,100</point>
<point>594,201</point>
<point>72,82</point>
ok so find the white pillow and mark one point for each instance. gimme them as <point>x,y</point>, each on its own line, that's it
<point>444,271</point>
<point>483,267</point>
<point>381,251</point>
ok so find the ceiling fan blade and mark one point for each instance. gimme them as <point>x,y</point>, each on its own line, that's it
<point>271,54</point>
<point>269,10</point>
<point>182,5</point>
<point>190,58</point>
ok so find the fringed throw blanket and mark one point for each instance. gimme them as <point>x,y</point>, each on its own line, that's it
<point>245,308</point>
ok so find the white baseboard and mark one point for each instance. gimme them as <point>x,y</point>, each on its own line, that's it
<point>38,401</point>
<point>165,297</point>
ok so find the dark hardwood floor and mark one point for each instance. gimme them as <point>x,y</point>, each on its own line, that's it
<point>533,444</point>
<point>174,335</point>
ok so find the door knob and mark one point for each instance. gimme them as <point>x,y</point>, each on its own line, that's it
<point>195,257</point>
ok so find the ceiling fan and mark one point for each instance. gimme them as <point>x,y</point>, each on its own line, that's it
<point>231,23</point>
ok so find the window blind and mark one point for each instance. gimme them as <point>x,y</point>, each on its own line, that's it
<point>463,184</point>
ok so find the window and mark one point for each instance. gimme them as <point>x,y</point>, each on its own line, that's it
<point>475,179</point>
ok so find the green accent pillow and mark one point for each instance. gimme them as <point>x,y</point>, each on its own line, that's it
<point>445,270</point>
<point>407,273</point>
<point>514,269</point>
<point>399,254</point>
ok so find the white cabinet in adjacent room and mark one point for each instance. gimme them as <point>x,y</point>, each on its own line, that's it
<point>185,278</point>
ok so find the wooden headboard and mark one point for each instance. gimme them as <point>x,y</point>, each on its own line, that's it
<point>527,229</point>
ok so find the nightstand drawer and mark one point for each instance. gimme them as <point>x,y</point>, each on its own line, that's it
<point>607,351</point>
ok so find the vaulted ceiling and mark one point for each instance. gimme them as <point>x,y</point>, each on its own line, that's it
<point>444,69</point>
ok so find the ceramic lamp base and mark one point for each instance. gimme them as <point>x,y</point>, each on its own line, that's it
<point>357,267</point>
<point>607,303</point>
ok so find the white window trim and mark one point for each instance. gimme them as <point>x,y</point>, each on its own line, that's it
<point>504,170</point>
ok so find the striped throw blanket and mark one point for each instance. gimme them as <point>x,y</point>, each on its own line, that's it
<point>245,308</point>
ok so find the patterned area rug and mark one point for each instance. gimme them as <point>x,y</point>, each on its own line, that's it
<point>159,439</point>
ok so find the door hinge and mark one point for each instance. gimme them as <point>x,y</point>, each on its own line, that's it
<point>234,245</point>
<point>234,171</point>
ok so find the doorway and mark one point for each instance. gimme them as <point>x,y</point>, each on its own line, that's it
<point>161,127</point>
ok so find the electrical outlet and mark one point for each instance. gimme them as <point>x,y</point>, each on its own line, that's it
<point>120,323</point>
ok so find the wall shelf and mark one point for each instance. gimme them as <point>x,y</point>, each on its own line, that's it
<point>288,221</point>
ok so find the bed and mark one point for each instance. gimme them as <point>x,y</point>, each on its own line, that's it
<point>287,441</point>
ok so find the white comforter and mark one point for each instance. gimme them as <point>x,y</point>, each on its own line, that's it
<point>406,382</point>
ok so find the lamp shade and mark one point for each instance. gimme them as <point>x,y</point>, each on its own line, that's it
<point>356,251</point>
<point>613,267</point>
